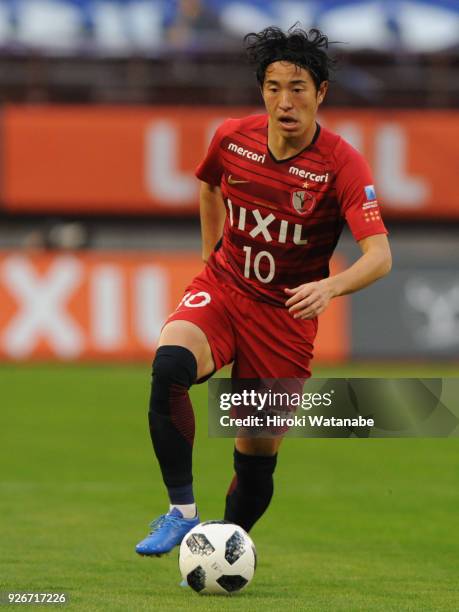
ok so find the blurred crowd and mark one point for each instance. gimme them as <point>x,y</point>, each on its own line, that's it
<point>153,26</point>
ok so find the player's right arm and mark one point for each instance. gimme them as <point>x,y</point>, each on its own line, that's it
<point>211,205</point>
<point>212,211</point>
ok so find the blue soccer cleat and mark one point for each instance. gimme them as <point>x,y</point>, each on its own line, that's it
<point>167,531</point>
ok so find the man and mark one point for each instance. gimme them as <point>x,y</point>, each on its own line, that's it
<point>276,190</point>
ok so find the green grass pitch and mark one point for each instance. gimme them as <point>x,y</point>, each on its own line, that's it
<point>354,524</point>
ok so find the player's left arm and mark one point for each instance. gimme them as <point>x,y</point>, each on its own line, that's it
<point>311,299</point>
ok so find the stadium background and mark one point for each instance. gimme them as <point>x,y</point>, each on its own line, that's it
<point>106,108</point>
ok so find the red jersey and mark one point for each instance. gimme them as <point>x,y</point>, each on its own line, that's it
<point>284,217</point>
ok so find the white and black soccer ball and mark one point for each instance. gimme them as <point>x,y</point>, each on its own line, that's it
<point>217,557</point>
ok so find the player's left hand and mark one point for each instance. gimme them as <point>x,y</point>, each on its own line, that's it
<point>309,300</point>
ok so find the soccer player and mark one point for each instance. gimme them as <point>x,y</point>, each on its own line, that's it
<point>276,190</point>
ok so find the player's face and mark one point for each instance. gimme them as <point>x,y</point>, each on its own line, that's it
<point>291,99</point>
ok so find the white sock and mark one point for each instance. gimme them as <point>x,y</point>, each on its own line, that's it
<point>188,510</point>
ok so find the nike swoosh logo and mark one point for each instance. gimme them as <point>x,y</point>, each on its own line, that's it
<point>233,181</point>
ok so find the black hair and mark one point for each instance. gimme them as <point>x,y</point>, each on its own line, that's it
<point>302,48</point>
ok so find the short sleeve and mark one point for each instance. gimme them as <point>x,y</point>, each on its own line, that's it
<point>357,196</point>
<point>210,170</point>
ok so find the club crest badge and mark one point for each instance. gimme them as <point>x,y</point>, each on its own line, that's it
<point>303,202</point>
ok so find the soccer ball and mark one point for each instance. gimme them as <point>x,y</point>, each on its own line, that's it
<point>217,557</point>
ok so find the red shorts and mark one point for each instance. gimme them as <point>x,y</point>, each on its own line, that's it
<point>263,341</point>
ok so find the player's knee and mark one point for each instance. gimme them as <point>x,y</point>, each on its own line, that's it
<point>174,365</point>
<point>174,371</point>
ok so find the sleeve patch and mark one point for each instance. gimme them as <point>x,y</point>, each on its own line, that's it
<point>370,193</point>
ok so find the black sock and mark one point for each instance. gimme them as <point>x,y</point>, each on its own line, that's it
<point>251,489</point>
<point>171,419</point>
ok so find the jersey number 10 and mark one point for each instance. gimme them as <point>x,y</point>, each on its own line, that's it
<point>257,260</point>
